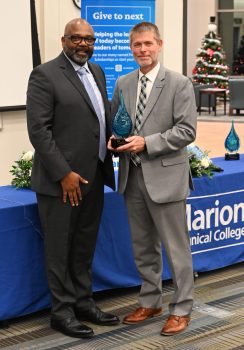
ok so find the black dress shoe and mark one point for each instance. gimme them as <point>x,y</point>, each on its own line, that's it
<point>97,316</point>
<point>72,328</point>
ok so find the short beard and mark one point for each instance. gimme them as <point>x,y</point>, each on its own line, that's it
<point>79,60</point>
<point>76,58</point>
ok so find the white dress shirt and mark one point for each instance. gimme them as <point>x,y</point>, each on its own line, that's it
<point>151,76</point>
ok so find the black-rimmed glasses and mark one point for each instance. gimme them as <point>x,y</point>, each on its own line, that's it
<point>76,39</point>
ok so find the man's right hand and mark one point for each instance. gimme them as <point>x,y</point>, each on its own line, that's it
<point>71,188</point>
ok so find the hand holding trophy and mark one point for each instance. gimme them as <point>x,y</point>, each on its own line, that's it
<point>121,124</point>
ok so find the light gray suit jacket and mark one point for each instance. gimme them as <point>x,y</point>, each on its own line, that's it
<point>168,125</point>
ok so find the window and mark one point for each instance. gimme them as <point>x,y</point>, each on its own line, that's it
<point>231,30</point>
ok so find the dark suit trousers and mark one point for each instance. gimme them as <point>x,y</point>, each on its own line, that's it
<point>70,240</point>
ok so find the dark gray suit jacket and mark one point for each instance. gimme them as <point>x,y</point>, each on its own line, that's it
<point>63,126</point>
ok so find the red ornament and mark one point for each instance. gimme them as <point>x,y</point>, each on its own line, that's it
<point>210,52</point>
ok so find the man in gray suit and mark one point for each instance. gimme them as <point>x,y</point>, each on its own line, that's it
<point>154,176</point>
<point>67,111</point>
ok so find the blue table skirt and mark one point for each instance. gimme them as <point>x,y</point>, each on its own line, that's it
<point>23,284</point>
<point>215,211</point>
<point>230,179</point>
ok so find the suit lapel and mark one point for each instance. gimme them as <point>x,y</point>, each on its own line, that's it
<point>72,76</point>
<point>101,88</point>
<point>130,95</point>
<point>157,88</point>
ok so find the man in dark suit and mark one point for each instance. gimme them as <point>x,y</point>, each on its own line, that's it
<point>67,111</point>
<point>154,176</point>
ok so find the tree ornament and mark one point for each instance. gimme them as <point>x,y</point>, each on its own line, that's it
<point>210,52</point>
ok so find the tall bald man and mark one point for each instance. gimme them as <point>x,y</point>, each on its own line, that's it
<point>67,112</point>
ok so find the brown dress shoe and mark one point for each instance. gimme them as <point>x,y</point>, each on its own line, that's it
<point>141,314</point>
<point>175,324</point>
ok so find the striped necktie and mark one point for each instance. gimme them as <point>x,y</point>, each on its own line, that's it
<point>89,89</point>
<point>139,113</point>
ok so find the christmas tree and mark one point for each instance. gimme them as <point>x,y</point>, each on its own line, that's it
<point>211,67</point>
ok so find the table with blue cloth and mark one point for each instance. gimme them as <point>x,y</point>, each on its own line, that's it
<point>215,214</point>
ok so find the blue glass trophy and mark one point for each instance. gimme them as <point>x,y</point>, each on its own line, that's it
<point>232,144</point>
<point>121,124</point>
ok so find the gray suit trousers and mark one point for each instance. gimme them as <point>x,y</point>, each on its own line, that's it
<point>153,225</point>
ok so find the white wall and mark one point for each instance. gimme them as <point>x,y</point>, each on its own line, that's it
<point>199,13</point>
<point>13,140</point>
<point>173,34</point>
<point>15,76</point>
<point>52,15</point>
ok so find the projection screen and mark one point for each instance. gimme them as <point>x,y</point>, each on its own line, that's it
<point>16,53</point>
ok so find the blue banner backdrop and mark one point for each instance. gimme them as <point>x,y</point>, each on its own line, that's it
<point>216,229</point>
<point>112,21</point>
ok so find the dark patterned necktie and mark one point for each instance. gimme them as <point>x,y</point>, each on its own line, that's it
<point>139,113</point>
<point>89,89</point>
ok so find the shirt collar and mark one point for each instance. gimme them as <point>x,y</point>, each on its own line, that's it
<point>152,74</point>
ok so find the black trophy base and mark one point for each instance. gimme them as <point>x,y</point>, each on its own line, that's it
<point>118,142</point>
<point>234,156</point>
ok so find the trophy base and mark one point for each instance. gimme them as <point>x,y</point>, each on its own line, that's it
<point>235,156</point>
<point>118,142</point>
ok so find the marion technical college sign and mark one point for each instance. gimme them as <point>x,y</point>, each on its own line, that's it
<point>216,223</point>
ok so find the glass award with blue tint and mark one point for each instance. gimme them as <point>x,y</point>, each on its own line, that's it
<point>121,124</point>
<point>232,144</point>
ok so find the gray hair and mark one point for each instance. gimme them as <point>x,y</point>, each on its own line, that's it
<point>145,27</point>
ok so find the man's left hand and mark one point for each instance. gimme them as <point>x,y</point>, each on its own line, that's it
<point>134,144</point>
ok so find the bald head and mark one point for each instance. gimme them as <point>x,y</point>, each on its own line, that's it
<point>75,25</point>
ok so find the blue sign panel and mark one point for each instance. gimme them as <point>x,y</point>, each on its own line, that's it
<point>216,228</point>
<point>112,22</point>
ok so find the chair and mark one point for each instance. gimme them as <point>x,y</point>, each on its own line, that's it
<point>236,95</point>
<point>205,98</point>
